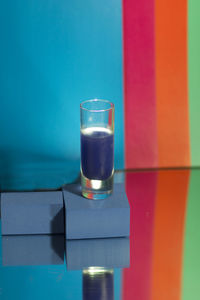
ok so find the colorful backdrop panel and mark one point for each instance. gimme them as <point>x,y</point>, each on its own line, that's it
<point>171,83</point>
<point>191,263</point>
<point>54,55</point>
<point>161,83</point>
<point>141,192</point>
<point>169,224</point>
<point>194,78</point>
<point>139,84</point>
<point>164,240</point>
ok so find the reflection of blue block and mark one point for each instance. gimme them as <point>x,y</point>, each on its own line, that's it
<point>96,218</point>
<point>32,213</point>
<point>32,250</point>
<point>107,253</point>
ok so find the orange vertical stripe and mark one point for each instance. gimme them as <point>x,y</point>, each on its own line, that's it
<point>171,82</point>
<point>168,234</point>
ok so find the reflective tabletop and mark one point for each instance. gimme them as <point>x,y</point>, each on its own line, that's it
<point>160,260</point>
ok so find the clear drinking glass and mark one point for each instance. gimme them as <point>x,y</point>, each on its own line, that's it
<point>97,148</point>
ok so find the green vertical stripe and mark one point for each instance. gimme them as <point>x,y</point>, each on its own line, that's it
<point>191,265</point>
<point>194,78</point>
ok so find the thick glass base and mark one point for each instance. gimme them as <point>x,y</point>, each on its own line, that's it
<point>96,189</point>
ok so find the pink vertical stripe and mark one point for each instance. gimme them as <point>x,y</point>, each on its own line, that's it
<point>139,84</point>
<point>141,193</point>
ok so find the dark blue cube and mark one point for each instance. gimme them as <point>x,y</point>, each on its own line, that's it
<point>32,213</point>
<point>96,218</point>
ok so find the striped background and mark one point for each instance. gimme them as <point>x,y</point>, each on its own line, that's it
<point>142,55</point>
<point>165,240</point>
<point>145,57</point>
<point>161,83</point>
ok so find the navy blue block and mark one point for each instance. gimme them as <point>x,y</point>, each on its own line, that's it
<point>32,250</point>
<point>96,218</point>
<point>32,213</point>
<point>107,253</point>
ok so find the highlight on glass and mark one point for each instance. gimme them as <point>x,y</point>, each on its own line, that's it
<point>97,148</point>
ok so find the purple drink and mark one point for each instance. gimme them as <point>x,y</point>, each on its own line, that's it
<point>97,153</point>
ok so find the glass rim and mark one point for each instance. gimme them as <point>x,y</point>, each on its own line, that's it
<point>97,100</point>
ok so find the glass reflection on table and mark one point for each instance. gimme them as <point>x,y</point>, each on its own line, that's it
<point>98,283</point>
<point>98,258</point>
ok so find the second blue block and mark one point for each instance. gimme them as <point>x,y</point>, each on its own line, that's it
<point>96,218</point>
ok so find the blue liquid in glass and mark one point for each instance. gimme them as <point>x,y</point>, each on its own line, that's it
<point>97,153</point>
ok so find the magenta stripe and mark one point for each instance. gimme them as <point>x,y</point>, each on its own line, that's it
<point>141,192</point>
<point>139,84</point>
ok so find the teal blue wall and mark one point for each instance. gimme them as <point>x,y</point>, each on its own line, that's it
<point>54,54</point>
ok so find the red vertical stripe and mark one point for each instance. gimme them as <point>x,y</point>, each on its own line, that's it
<point>171,82</point>
<point>139,84</point>
<point>141,192</point>
<point>168,234</point>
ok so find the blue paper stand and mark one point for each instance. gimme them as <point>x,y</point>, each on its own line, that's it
<point>86,218</point>
<point>43,213</point>
<point>32,213</point>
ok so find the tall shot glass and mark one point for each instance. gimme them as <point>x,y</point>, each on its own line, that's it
<point>97,148</point>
